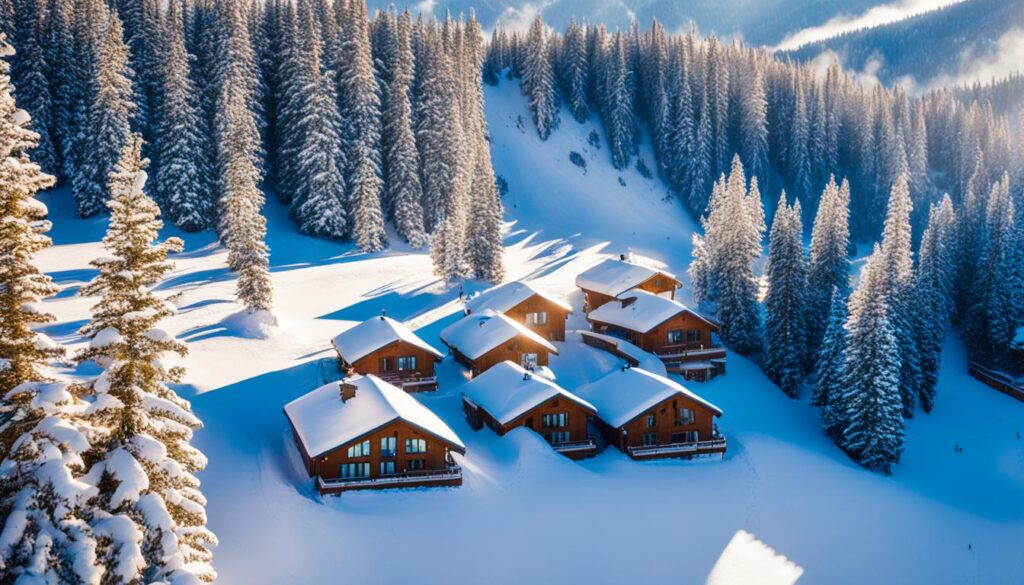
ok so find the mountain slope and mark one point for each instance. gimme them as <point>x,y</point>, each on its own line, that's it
<point>523,511</point>
<point>964,42</point>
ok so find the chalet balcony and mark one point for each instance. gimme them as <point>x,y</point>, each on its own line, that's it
<point>449,476</point>
<point>683,352</point>
<point>576,449</point>
<point>717,445</point>
<point>410,382</point>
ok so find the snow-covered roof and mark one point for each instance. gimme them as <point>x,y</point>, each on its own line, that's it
<point>509,295</point>
<point>324,421</point>
<point>626,393</point>
<point>476,334</point>
<point>624,347</point>
<point>373,334</point>
<point>613,277</point>
<point>643,314</point>
<point>507,391</point>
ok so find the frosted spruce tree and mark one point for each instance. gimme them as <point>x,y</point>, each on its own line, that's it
<point>107,125</point>
<point>828,268</point>
<point>933,294</point>
<point>785,325</point>
<point>574,71</point>
<point>830,365</point>
<point>617,102</point>
<point>182,181</point>
<point>538,83</point>
<point>30,72</point>
<point>23,352</point>
<point>149,513</point>
<point>403,191</point>
<point>869,407</point>
<point>722,271</point>
<point>368,222</point>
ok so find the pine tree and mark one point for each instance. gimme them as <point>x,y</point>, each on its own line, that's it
<point>618,100</point>
<point>23,352</point>
<point>31,72</point>
<point>871,424</point>
<point>754,126</point>
<point>785,324</point>
<point>829,266</point>
<point>933,294</point>
<point>144,462</point>
<point>538,81</point>
<point>575,71</point>
<point>182,182</point>
<point>368,221</point>
<point>403,191</point>
<point>830,365</point>
<point>60,47</point>
<point>107,127</point>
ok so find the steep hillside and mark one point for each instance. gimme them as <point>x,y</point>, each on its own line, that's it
<point>965,42</point>
<point>524,512</point>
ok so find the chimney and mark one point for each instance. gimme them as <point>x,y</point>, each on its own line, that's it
<point>383,313</point>
<point>348,391</point>
<point>622,257</point>
<point>526,376</point>
<point>627,302</point>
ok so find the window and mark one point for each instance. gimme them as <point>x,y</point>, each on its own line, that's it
<point>651,421</point>
<point>355,470</point>
<point>684,416</point>
<point>657,283</point>
<point>686,437</point>
<point>387,446</point>
<point>650,439</point>
<point>693,335</point>
<point>560,419</point>
<point>415,445</point>
<point>385,364</point>
<point>675,336</point>
<point>406,363</point>
<point>528,361</point>
<point>416,464</point>
<point>360,449</point>
<point>387,467</point>
<point>556,438</point>
<point>537,318</point>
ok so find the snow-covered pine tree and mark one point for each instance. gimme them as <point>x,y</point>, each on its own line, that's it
<point>317,184</point>
<point>830,365</point>
<point>30,72</point>
<point>149,516</point>
<point>933,294</point>
<point>1006,301</point>
<point>402,188</point>
<point>141,21</point>
<point>754,124</point>
<point>60,52</point>
<point>618,99</point>
<point>829,267</point>
<point>107,126</point>
<point>869,407</point>
<point>368,220</point>
<point>970,233</point>
<point>23,352</point>
<point>574,71</point>
<point>785,325</point>
<point>183,178</point>
<point>538,81</point>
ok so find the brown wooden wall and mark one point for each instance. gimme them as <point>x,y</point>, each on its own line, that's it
<point>555,328</point>
<point>657,338</point>
<point>328,466</point>
<point>370,364</point>
<point>511,351</point>
<point>657,284</point>
<point>534,419</point>
<point>665,427</point>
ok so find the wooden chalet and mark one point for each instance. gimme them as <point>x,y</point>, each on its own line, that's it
<point>389,350</point>
<point>684,339</point>
<point>482,340</point>
<point>507,397</point>
<point>364,433</point>
<point>611,278</point>
<point>647,416</point>
<point>545,314</point>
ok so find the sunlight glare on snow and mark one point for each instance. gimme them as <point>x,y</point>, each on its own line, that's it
<point>748,561</point>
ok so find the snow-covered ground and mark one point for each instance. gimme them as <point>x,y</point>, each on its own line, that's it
<point>524,512</point>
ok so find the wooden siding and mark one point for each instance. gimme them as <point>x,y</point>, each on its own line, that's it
<point>511,350</point>
<point>554,330</point>
<point>656,340</point>
<point>632,433</point>
<point>373,364</point>
<point>533,419</point>
<point>656,284</point>
<point>328,465</point>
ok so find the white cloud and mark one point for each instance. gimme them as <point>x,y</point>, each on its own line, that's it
<point>874,16</point>
<point>1006,58</point>
<point>519,18</point>
<point>426,6</point>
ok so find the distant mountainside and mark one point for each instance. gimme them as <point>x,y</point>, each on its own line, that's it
<point>758,22</point>
<point>962,43</point>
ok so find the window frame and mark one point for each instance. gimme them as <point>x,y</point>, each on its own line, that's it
<point>412,446</point>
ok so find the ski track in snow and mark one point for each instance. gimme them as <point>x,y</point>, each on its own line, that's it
<point>523,510</point>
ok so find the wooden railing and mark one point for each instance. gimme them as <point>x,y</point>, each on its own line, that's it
<point>574,445</point>
<point>673,448</point>
<point>421,475</point>
<point>400,380</point>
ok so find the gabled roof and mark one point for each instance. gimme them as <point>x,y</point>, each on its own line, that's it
<point>613,277</point>
<point>507,296</point>
<point>476,334</point>
<point>367,337</point>
<point>507,391</point>
<point>642,312</point>
<point>626,393</point>
<point>325,422</point>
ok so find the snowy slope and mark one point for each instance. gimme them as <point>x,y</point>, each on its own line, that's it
<point>944,517</point>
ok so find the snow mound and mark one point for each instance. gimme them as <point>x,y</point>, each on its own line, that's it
<point>251,324</point>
